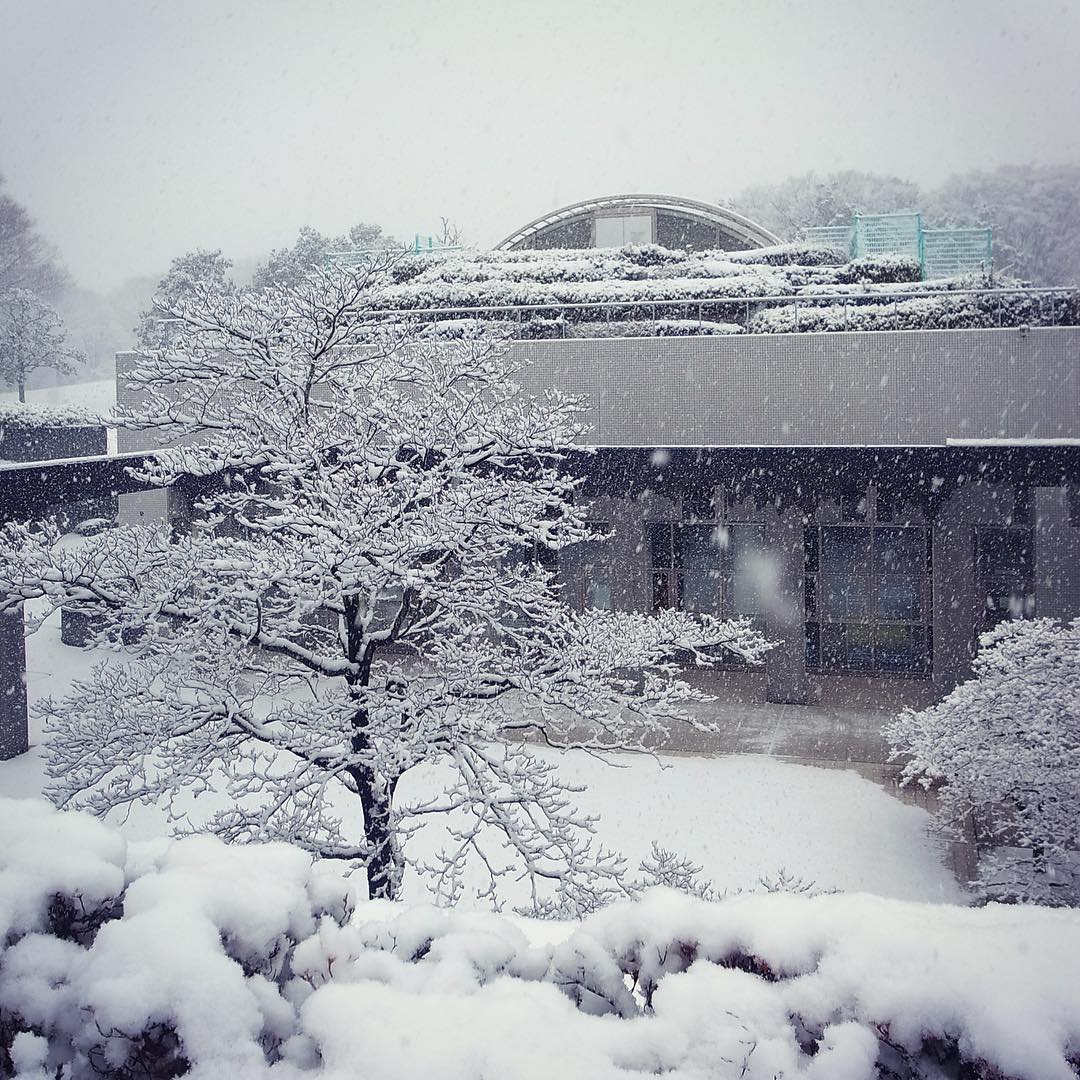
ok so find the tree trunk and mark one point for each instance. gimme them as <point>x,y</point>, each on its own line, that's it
<point>22,392</point>
<point>384,865</point>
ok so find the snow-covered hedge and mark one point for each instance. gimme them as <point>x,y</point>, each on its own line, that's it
<point>645,283</point>
<point>193,958</point>
<point>546,329</point>
<point>944,312</point>
<point>16,415</point>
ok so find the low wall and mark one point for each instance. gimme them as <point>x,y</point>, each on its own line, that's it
<point>33,443</point>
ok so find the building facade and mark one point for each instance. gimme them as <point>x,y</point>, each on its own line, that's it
<point>874,501</point>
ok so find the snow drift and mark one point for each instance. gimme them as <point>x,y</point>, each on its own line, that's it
<point>193,958</point>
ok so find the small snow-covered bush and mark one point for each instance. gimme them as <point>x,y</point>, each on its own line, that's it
<point>875,269</point>
<point>15,415</point>
<point>1004,747</point>
<point>214,961</point>
<point>797,253</point>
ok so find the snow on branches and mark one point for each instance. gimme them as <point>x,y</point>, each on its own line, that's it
<point>361,594</point>
<point>1005,748</point>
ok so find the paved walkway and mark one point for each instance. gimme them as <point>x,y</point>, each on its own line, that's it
<point>816,733</point>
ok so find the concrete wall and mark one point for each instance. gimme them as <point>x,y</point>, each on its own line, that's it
<point>50,443</point>
<point>13,730</point>
<point>877,388</point>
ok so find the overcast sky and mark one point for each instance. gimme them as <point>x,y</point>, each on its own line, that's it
<point>134,131</point>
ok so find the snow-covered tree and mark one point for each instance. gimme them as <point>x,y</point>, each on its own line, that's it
<point>189,275</point>
<point>27,259</point>
<point>832,199</point>
<point>32,337</point>
<point>363,596</point>
<point>1034,211</point>
<point>1005,748</point>
<point>287,267</point>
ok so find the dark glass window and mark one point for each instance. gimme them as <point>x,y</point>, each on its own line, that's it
<point>586,570</point>
<point>867,598</point>
<point>1005,565</point>
<point>707,567</point>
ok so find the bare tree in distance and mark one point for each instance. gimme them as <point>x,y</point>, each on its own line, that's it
<point>368,594</point>
<point>831,199</point>
<point>1034,210</point>
<point>27,259</point>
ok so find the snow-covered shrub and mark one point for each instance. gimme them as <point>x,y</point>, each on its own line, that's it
<point>875,269</point>
<point>15,415</point>
<point>1004,747</point>
<point>797,253</point>
<point>943,312</point>
<point>258,964</point>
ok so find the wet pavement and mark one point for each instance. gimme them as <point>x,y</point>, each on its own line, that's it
<point>813,733</point>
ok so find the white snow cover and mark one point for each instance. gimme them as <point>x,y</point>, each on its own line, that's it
<point>251,962</point>
<point>50,416</point>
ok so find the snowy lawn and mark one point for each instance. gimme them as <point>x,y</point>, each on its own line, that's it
<point>740,818</point>
<point>98,395</point>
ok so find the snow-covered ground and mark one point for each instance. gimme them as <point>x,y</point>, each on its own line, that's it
<point>98,396</point>
<point>248,962</point>
<point>740,818</point>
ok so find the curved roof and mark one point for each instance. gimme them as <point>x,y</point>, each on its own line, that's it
<point>739,227</point>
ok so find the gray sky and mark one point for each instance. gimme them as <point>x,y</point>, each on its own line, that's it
<point>134,131</point>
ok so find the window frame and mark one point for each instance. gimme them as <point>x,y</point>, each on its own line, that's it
<point>829,657</point>
<point>723,573</point>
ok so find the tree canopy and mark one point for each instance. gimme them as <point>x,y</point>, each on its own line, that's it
<point>366,591</point>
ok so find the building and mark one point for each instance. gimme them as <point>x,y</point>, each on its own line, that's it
<point>873,467</point>
<point>615,220</point>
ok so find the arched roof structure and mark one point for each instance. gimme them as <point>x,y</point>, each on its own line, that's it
<point>675,222</point>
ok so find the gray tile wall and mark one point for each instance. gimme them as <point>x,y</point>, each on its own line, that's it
<point>880,388</point>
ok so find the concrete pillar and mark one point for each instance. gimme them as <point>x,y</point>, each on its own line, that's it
<point>14,736</point>
<point>956,608</point>
<point>785,608</point>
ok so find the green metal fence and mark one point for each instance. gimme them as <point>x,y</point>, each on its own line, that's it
<point>887,234</point>
<point>421,245</point>
<point>831,236</point>
<point>939,252</point>
<point>949,252</point>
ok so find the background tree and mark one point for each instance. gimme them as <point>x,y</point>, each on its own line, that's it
<point>363,598</point>
<point>32,337</point>
<point>287,267</point>
<point>192,274</point>
<point>1035,214</point>
<point>810,199</point>
<point>1005,746</point>
<point>27,259</point>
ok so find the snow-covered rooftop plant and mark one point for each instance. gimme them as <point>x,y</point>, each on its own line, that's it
<point>637,285</point>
